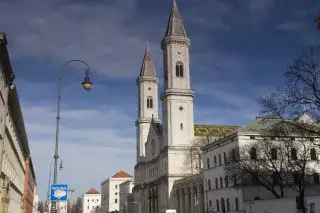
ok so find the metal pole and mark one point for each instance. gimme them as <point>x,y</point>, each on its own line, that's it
<point>49,184</point>
<point>56,150</point>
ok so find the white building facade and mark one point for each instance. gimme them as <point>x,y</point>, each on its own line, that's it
<point>225,192</point>
<point>162,144</point>
<point>125,190</point>
<point>14,142</point>
<point>110,191</point>
<point>91,201</point>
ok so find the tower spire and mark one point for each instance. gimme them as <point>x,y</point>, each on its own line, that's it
<point>147,68</point>
<point>175,25</point>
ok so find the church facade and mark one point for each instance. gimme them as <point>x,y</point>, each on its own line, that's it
<point>162,143</point>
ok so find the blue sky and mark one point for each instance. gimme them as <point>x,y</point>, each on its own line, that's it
<point>239,51</point>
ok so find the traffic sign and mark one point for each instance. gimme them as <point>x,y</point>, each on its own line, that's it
<point>59,192</point>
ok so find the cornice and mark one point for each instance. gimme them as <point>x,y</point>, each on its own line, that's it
<point>181,40</point>
<point>146,120</point>
<point>147,78</point>
<point>177,92</point>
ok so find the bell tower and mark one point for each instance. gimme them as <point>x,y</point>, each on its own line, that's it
<point>177,99</point>
<point>147,83</point>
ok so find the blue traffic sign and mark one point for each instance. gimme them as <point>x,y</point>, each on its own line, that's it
<point>59,192</point>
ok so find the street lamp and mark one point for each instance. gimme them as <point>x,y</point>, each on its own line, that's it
<point>87,86</point>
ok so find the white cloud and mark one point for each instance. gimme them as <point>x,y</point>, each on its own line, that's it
<point>89,152</point>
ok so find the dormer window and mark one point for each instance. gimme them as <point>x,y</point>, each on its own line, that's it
<point>179,69</point>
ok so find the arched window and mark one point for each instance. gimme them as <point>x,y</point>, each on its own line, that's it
<point>208,163</point>
<point>221,182</point>
<point>237,204</point>
<point>209,184</point>
<point>228,205</point>
<point>179,69</point>
<point>217,186</point>
<point>181,126</point>
<point>220,160</point>
<point>274,154</point>
<point>226,180</point>
<point>149,102</point>
<point>218,206</point>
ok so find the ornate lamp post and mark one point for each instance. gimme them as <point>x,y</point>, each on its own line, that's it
<point>87,86</point>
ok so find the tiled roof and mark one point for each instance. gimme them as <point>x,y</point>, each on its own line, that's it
<point>122,174</point>
<point>175,26</point>
<point>92,191</point>
<point>147,68</point>
<point>213,130</point>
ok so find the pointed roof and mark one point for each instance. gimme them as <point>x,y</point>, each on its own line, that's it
<point>92,191</point>
<point>147,68</point>
<point>121,174</point>
<point>175,26</point>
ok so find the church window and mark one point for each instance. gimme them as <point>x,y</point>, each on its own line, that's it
<point>181,126</point>
<point>179,69</point>
<point>149,102</point>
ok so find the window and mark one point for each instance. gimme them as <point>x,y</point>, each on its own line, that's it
<point>294,154</point>
<point>221,182</point>
<point>208,163</point>
<point>315,178</point>
<point>226,181</point>
<point>179,69</point>
<point>274,153</point>
<point>313,154</point>
<point>116,186</point>
<point>225,157</point>
<point>210,203</point>
<point>115,200</point>
<point>220,160</point>
<point>87,207</point>
<point>252,137</point>
<point>235,181</point>
<point>237,204</point>
<point>228,205</point>
<point>253,153</point>
<point>181,126</point>
<point>209,184</point>
<point>215,160</point>
<point>233,154</point>
<point>88,200</point>
<point>217,186</point>
<point>218,207</point>
<point>92,200</point>
<point>149,102</point>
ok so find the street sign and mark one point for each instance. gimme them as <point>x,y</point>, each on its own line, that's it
<point>59,192</point>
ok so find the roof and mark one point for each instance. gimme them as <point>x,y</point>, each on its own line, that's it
<point>147,68</point>
<point>121,174</point>
<point>213,130</point>
<point>175,25</point>
<point>92,191</point>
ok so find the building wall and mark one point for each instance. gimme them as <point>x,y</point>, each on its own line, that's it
<point>110,192</point>
<point>125,190</point>
<point>29,187</point>
<point>90,202</point>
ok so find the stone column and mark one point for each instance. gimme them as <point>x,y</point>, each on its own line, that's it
<point>187,203</point>
<point>181,202</point>
<point>193,203</point>
<point>201,206</point>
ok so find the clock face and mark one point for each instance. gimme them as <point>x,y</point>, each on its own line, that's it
<point>179,52</point>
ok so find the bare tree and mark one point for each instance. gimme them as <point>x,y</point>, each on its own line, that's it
<point>193,155</point>
<point>296,109</point>
<point>299,95</point>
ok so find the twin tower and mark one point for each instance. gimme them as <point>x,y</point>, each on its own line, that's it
<point>177,126</point>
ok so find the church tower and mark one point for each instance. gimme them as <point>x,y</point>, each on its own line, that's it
<point>147,83</point>
<point>177,99</point>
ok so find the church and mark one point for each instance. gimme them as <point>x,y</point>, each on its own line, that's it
<point>162,143</point>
